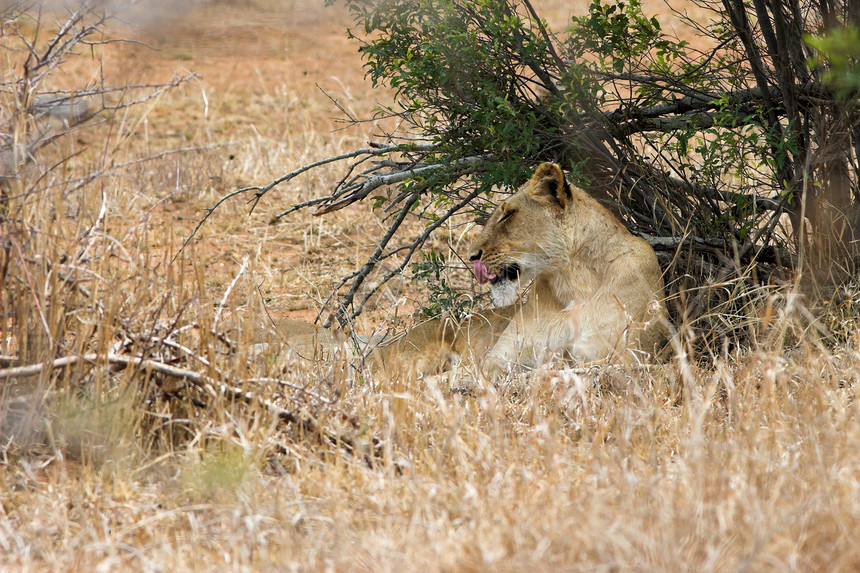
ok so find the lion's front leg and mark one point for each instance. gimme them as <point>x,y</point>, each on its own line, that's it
<point>513,348</point>
<point>539,334</point>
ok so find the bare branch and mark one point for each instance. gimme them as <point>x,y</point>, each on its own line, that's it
<point>359,191</point>
<point>206,384</point>
<point>362,273</point>
<point>376,151</point>
<point>414,246</point>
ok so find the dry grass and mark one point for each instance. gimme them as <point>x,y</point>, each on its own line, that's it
<point>747,463</point>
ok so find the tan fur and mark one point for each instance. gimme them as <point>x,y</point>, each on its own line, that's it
<point>439,344</point>
<point>597,289</point>
<point>302,339</point>
<point>596,293</point>
<point>308,340</point>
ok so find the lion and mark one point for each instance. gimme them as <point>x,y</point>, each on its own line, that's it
<point>431,347</point>
<point>596,289</point>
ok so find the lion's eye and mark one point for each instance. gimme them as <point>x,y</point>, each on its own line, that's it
<point>507,216</point>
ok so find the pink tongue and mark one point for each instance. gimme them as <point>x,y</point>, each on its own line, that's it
<point>481,272</point>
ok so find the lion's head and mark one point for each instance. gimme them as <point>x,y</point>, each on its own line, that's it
<point>523,236</point>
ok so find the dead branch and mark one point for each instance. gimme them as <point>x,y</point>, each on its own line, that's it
<point>362,273</point>
<point>205,384</point>
<point>368,152</point>
<point>410,250</point>
<point>746,251</point>
<point>260,190</point>
<point>359,191</point>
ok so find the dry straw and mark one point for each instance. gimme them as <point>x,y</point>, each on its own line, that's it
<point>150,422</point>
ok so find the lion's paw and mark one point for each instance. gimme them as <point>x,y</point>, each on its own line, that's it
<point>494,367</point>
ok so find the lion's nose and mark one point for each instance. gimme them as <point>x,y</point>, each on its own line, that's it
<point>476,256</point>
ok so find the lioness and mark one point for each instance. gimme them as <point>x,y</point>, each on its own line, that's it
<point>596,294</point>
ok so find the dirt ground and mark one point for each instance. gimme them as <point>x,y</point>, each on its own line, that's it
<point>269,77</point>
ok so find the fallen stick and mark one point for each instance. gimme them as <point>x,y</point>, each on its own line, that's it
<point>200,381</point>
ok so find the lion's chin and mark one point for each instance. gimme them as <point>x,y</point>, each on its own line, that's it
<point>503,292</point>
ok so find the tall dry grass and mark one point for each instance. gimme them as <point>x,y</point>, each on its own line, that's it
<point>170,440</point>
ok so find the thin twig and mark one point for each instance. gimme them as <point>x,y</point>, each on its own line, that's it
<point>209,212</point>
<point>223,302</point>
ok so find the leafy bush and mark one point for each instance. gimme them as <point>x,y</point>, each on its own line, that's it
<point>442,297</point>
<point>839,51</point>
<point>728,156</point>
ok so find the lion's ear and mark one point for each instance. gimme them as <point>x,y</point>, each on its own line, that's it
<point>550,188</point>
